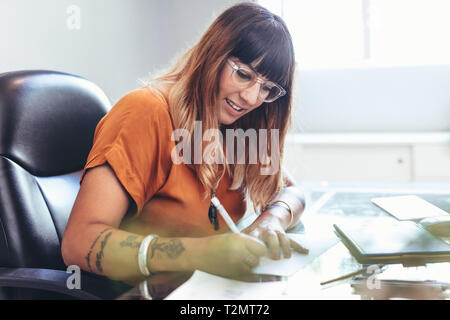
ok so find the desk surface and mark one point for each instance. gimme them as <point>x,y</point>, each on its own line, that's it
<point>326,204</point>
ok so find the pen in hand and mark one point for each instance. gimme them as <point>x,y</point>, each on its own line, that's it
<point>226,217</point>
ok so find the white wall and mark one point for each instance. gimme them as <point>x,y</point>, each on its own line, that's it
<point>401,99</point>
<point>185,21</point>
<point>119,41</point>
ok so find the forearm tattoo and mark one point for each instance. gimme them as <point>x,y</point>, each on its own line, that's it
<point>88,257</point>
<point>98,262</point>
<point>130,242</point>
<point>173,248</point>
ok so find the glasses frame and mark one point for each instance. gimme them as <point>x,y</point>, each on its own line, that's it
<point>237,67</point>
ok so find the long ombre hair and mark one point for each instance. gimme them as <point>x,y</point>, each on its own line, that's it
<point>252,34</point>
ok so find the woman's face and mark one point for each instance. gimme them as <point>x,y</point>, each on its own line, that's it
<point>244,100</point>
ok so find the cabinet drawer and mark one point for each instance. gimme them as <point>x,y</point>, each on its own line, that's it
<point>349,163</point>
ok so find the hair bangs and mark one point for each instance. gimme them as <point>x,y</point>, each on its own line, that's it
<point>268,49</point>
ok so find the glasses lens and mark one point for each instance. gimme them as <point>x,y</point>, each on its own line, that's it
<point>270,92</point>
<point>243,76</point>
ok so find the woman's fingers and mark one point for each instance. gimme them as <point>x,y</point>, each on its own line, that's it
<point>255,246</point>
<point>284,244</point>
<point>298,247</point>
<point>273,244</point>
<point>277,242</point>
<point>251,260</point>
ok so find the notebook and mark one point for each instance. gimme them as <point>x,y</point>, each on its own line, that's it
<point>389,241</point>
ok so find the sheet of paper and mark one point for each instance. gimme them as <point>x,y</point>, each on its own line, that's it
<point>205,286</point>
<point>316,240</point>
<point>408,207</point>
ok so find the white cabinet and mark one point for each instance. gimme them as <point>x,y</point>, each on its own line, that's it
<point>369,157</point>
<point>432,162</point>
<point>349,163</point>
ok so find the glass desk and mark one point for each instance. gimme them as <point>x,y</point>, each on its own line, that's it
<point>329,204</point>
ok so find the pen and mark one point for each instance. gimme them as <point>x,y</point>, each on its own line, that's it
<point>224,215</point>
<point>234,229</point>
<point>358,272</point>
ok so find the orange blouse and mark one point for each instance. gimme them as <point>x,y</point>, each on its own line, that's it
<point>134,138</point>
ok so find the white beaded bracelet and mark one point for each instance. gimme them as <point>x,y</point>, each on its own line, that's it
<point>142,255</point>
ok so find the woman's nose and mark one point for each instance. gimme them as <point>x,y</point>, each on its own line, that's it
<point>251,94</point>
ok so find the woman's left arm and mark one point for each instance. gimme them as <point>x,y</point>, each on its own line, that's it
<point>283,212</point>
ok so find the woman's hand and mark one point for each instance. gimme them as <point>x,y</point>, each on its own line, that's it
<point>229,254</point>
<point>268,228</point>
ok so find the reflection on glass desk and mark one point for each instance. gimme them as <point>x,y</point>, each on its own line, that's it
<point>328,204</point>
<point>347,203</point>
<point>426,282</point>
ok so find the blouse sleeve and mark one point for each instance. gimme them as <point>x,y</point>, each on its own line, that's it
<point>134,138</point>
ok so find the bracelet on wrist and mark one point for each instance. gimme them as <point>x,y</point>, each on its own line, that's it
<point>285,205</point>
<point>142,254</point>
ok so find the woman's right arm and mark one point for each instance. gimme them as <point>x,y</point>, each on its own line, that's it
<point>93,241</point>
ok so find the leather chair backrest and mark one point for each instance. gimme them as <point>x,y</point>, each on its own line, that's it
<point>47,125</point>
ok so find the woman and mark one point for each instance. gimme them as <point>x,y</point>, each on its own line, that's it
<point>140,211</point>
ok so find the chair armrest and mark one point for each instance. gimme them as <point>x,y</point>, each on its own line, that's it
<point>92,287</point>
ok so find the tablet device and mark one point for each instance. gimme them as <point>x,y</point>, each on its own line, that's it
<point>389,241</point>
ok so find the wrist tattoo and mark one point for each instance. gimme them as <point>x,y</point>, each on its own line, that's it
<point>130,242</point>
<point>88,257</point>
<point>98,262</point>
<point>173,248</point>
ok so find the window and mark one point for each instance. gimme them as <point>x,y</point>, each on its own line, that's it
<point>367,33</point>
<point>369,65</point>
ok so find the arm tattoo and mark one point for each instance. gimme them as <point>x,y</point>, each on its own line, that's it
<point>98,262</point>
<point>130,242</point>
<point>173,248</point>
<point>88,257</point>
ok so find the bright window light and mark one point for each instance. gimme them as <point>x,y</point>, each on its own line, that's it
<point>367,33</point>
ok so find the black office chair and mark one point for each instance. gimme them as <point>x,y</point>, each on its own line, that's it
<point>47,124</point>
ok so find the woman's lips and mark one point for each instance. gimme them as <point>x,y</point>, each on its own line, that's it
<point>231,110</point>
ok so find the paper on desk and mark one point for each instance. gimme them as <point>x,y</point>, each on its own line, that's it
<point>205,286</point>
<point>317,241</point>
<point>408,207</point>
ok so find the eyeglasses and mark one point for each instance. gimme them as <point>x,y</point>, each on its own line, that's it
<point>246,78</point>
